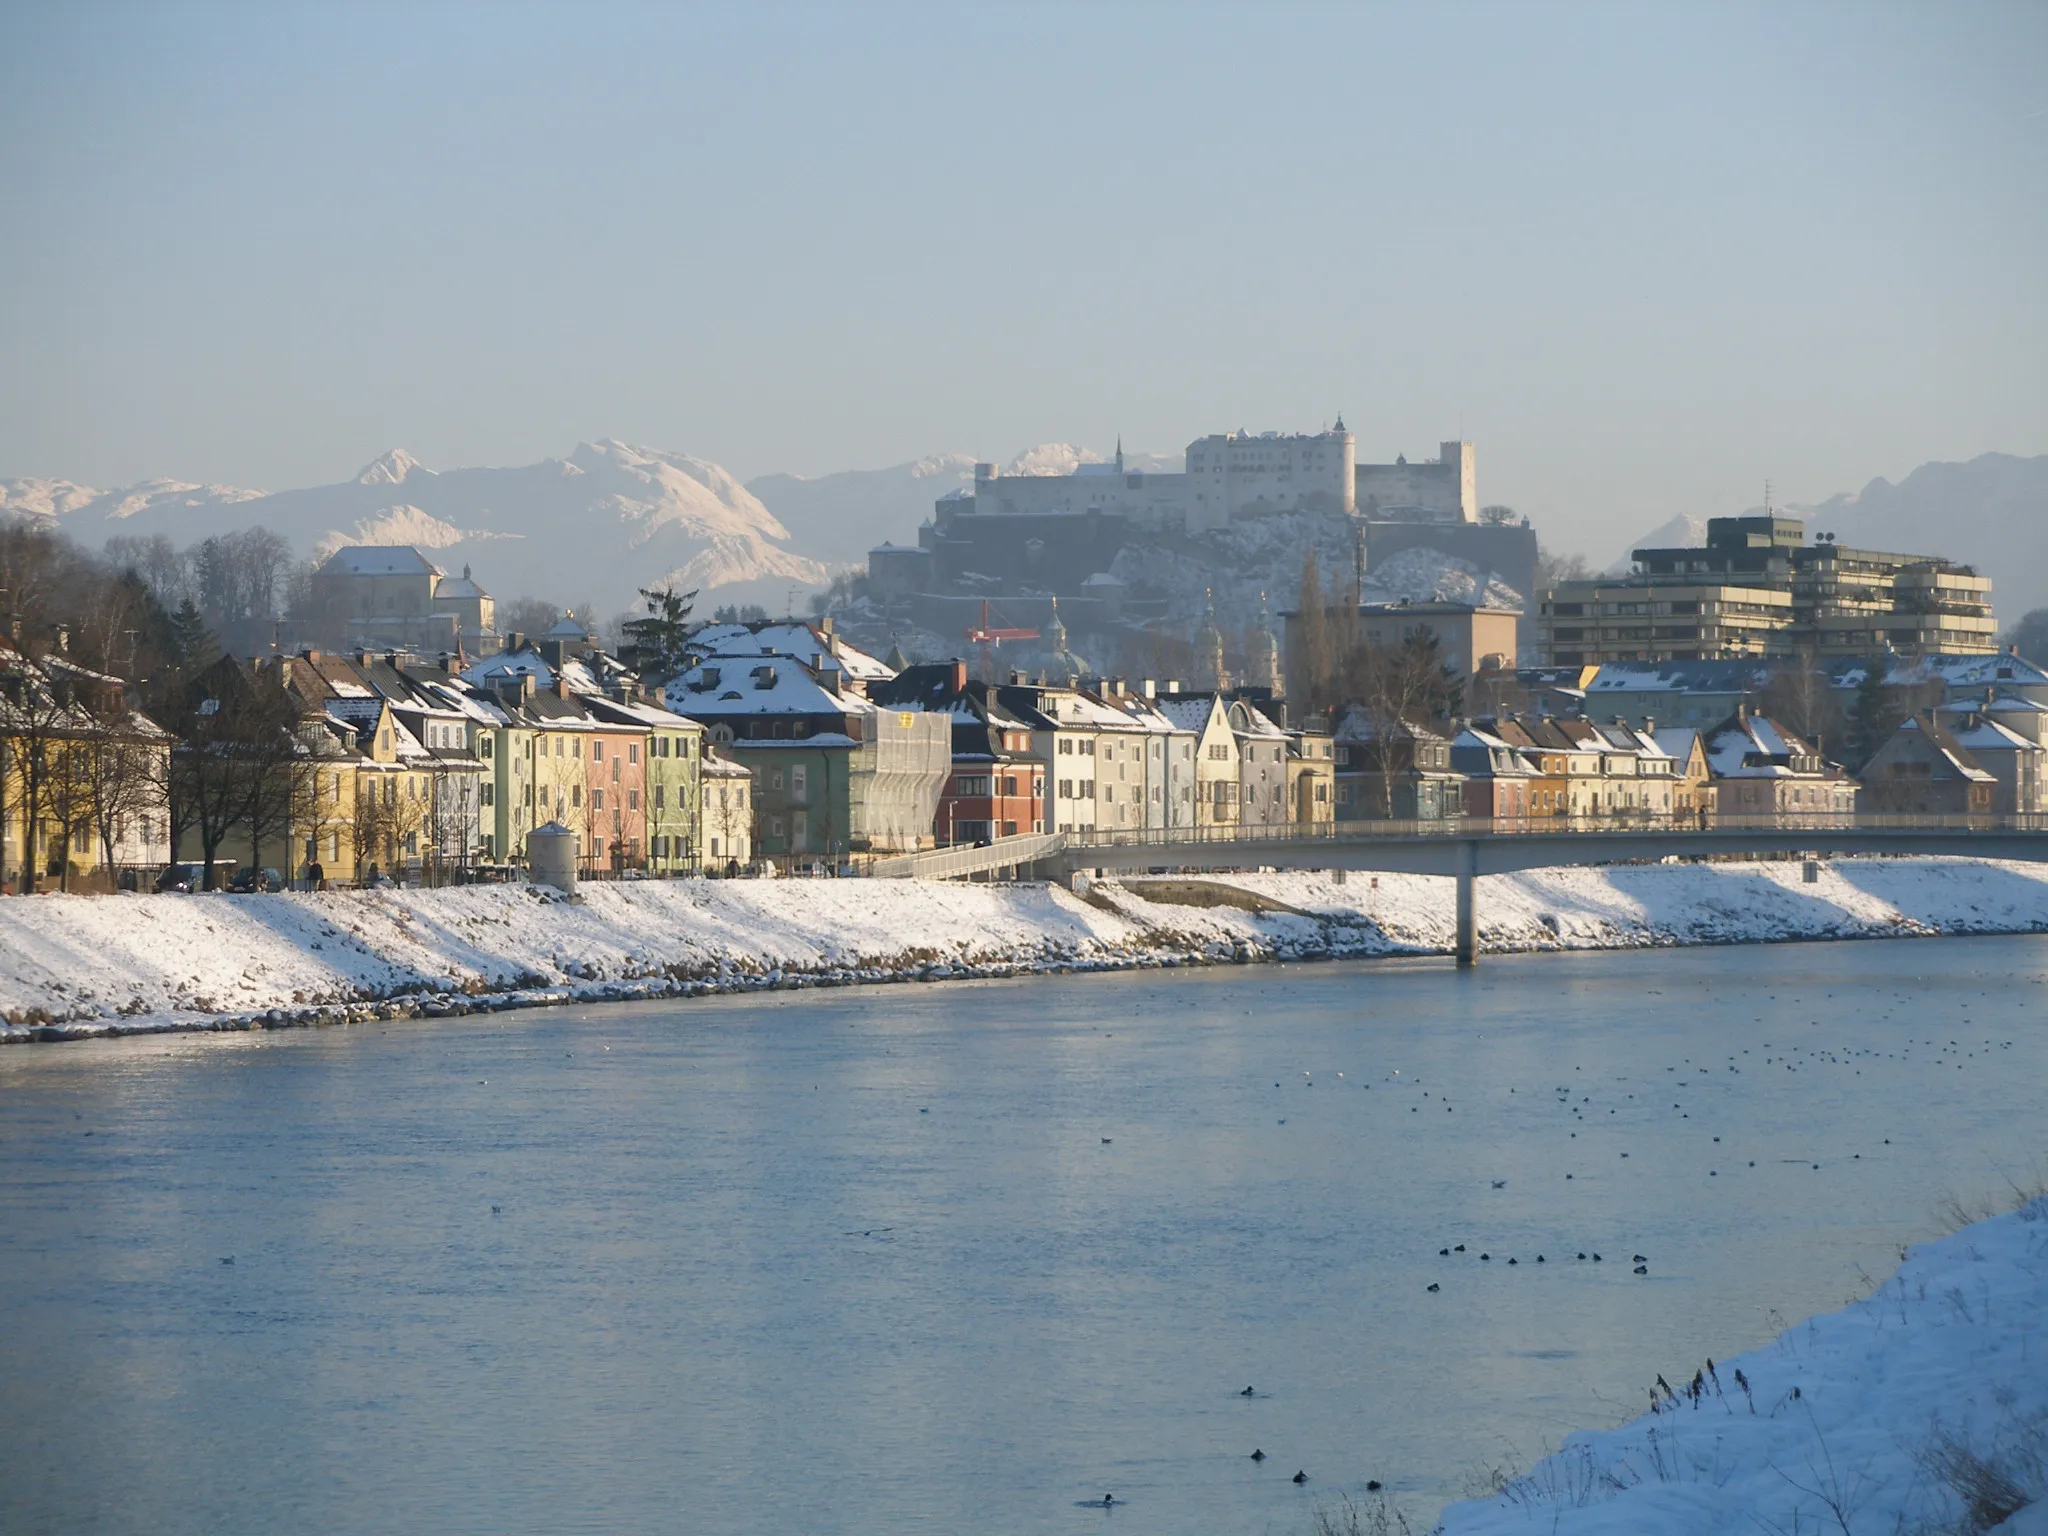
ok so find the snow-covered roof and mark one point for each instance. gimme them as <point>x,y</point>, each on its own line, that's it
<point>726,687</point>
<point>505,664</point>
<point>1247,720</point>
<point>1678,676</point>
<point>1989,736</point>
<point>1188,713</point>
<point>1676,741</point>
<point>803,642</point>
<point>379,560</point>
<point>1753,747</point>
<point>458,586</point>
<point>1948,748</point>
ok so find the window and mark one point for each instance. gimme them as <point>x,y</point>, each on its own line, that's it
<point>597,799</point>
<point>660,796</point>
<point>1066,746</point>
<point>576,794</point>
<point>490,794</point>
<point>1066,789</point>
<point>632,751</point>
<point>799,781</point>
<point>597,751</point>
<point>632,799</point>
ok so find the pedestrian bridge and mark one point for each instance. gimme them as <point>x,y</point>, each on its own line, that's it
<point>1470,847</point>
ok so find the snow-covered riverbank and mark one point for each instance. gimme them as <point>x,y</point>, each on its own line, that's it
<point>1922,1408</point>
<point>75,967</point>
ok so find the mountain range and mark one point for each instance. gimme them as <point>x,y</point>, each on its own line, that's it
<point>612,517</point>
<point>588,529</point>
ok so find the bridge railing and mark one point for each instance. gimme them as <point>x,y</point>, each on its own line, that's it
<point>1632,825</point>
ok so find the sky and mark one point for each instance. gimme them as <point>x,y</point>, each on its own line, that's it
<point>1645,256</point>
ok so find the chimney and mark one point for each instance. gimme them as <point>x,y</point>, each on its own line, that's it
<point>1151,689</point>
<point>561,687</point>
<point>959,678</point>
<point>1649,725</point>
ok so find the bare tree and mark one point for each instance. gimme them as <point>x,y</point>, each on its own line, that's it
<point>234,732</point>
<point>1799,693</point>
<point>1398,688</point>
<point>1553,567</point>
<point>126,766</point>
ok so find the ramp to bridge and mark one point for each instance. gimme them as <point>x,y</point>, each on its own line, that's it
<point>1004,854</point>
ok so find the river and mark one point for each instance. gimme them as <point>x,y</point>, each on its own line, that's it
<point>957,1258</point>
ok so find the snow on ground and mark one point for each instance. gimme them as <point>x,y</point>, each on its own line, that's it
<point>1623,906</point>
<point>1882,1417</point>
<point>75,966</point>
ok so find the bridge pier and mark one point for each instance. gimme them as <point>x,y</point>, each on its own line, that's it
<point>1467,949</point>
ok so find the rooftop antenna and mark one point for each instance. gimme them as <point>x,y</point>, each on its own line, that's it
<point>1767,498</point>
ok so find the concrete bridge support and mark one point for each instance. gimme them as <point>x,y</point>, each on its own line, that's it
<point>1467,948</point>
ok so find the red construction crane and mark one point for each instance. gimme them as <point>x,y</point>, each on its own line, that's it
<point>985,637</point>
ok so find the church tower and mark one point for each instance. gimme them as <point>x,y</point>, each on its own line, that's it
<point>1209,649</point>
<point>1264,664</point>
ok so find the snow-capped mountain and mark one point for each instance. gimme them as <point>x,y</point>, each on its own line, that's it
<point>841,517</point>
<point>592,527</point>
<point>1681,532</point>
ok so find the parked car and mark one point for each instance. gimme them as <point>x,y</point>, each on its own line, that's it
<point>250,881</point>
<point>185,878</point>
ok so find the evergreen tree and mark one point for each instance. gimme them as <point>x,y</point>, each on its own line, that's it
<point>660,640</point>
<point>1312,665</point>
<point>1871,716</point>
<point>192,645</point>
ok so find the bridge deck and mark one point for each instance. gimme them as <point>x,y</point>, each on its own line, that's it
<point>1468,848</point>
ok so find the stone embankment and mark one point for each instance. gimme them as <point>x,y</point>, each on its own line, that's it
<point>81,967</point>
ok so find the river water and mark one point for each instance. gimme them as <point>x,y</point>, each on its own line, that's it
<point>957,1258</point>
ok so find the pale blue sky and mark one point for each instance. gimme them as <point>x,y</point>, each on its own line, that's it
<point>1645,256</point>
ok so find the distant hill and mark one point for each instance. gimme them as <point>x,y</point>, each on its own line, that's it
<point>1991,513</point>
<point>841,517</point>
<point>1681,532</point>
<point>592,527</point>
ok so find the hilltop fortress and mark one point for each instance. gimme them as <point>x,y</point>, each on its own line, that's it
<point>1233,475</point>
<point>1113,542</point>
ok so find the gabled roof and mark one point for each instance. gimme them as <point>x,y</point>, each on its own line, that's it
<point>1678,742</point>
<point>379,560</point>
<point>738,687</point>
<point>1987,735</point>
<point>1747,746</point>
<point>803,642</point>
<point>1191,713</point>
<point>1948,752</point>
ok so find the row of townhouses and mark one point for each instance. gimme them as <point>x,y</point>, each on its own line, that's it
<point>783,743</point>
